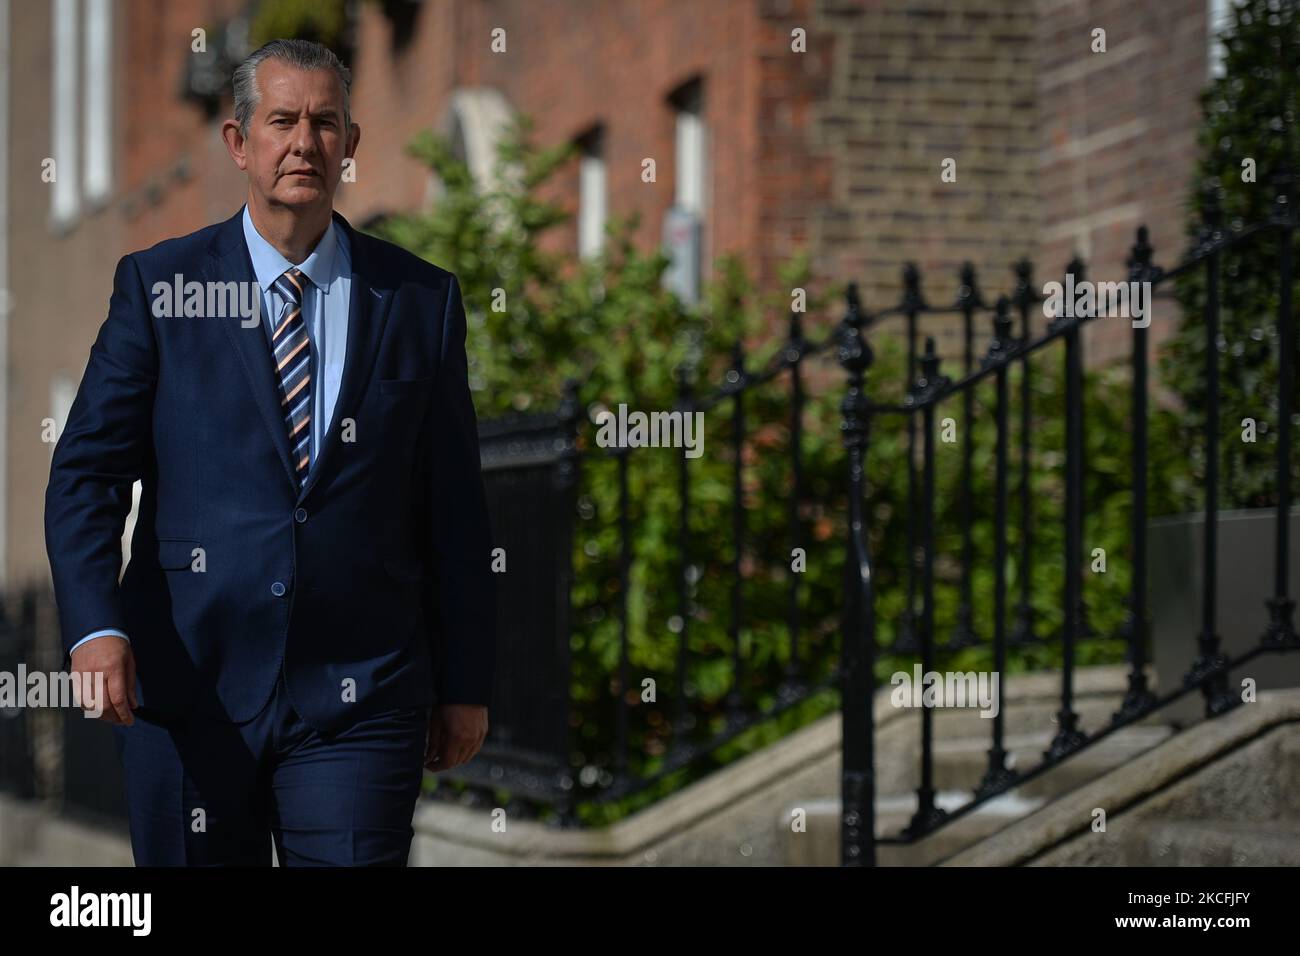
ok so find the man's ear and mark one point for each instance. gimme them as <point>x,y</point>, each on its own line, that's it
<point>234,140</point>
<point>354,137</point>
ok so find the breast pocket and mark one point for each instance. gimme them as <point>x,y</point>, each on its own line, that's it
<point>401,405</point>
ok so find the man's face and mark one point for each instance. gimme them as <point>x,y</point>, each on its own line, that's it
<point>296,142</point>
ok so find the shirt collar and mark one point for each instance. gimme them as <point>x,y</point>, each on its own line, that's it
<point>268,265</point>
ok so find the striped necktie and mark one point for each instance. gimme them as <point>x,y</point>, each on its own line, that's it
<point>291,353</point>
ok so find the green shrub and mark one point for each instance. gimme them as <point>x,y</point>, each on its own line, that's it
<point>609,323</point>
<point>1248,113</point>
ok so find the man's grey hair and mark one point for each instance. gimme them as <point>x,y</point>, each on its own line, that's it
<point>303,54</point>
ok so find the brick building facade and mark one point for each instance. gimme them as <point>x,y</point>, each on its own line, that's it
<point>837,149</point>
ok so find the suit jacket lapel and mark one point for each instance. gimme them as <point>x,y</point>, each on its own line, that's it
<point>367,315</point>
<point>229,260</point>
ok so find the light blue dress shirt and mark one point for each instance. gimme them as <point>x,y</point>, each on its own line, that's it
<point>325,304</point>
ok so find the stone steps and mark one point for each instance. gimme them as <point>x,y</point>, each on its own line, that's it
<point>959,766</point>
<point>1225,792</point>
<point>1210,843</point>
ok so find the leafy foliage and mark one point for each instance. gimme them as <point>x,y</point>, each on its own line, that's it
<point>1249,113</point>
<point>539,317</point>
<point>324,21</point>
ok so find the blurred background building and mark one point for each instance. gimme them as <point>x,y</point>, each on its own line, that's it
<point>760,153</point>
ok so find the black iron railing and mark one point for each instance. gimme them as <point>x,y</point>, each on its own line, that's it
<point>1209,667</point>
<point>610,763</point>
<point>606,757</point>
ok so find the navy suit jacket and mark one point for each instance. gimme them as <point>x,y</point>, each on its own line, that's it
<point>372,585</point>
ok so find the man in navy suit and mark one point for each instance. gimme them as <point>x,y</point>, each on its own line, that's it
<point>307,619</point>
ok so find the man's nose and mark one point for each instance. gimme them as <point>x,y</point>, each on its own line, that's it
<point>304,138</point>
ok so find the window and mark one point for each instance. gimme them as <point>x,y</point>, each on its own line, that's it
<point>99,99</point>
<point>82,101</point>
<point>591,196</point>
<point>64,197</point>
<point>684,235</point>
<point>475,122</point>
<point>1218,17</point>
<point>691,150</point>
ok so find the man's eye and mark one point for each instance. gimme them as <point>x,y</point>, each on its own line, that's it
<point>282,122</point>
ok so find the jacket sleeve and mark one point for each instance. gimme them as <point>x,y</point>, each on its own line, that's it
<point>103,450</point>
<point>464,634</point>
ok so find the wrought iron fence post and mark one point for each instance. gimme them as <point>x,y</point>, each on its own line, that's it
<point>1139,697</point>
<point>924,393</point>
<point>677,744</point>
<point>737,379</point>
<point>795,346</point>
<point>858,651</point>
<point>1024,297</point>
<point>968,300</point>
<point>1001,349</point>
<point>566,482</point>
<point>625,584</point>
<point>1209,670</point>
<point>1281,606</point>
<point>913,303</point>
<point>1068,736</point>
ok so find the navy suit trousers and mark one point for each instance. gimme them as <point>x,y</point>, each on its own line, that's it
<point>201,792</point>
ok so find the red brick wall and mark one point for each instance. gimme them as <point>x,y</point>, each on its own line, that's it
<point>570,65</point>
<point>161,133</point>
<point>1117,139</point>
<point>912,84</point>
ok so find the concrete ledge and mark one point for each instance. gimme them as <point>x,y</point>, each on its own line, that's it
<point>741,815</point>
<point>1123,792</point>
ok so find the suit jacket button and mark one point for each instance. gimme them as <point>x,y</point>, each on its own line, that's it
<point>300,515</point>
<point>278,589</point>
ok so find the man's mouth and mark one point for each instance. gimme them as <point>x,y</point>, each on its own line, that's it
<point>301,172</point>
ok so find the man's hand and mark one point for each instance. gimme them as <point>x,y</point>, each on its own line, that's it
<point>110,657</point>
<point>456,731</point>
